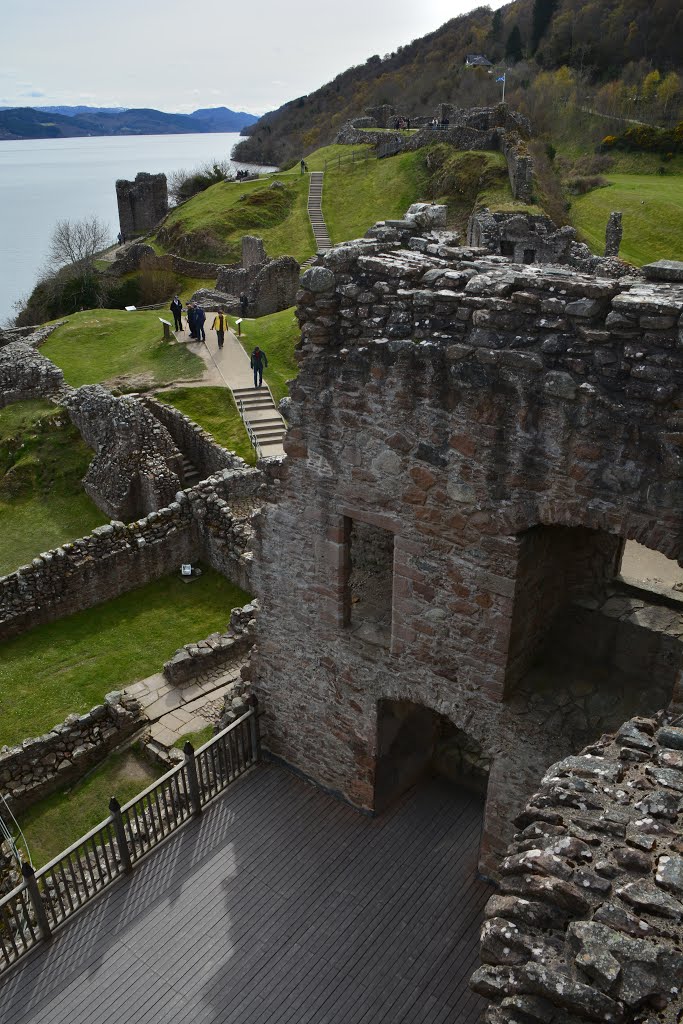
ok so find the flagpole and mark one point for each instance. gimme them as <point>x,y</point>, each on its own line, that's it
<point>503,87</point>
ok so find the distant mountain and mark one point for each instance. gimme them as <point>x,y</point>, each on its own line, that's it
<point>71,111</point>
<point>221,119</point>
<point>37,123</point>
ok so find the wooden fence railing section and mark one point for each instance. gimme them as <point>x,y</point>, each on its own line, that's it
<point>47,897</point>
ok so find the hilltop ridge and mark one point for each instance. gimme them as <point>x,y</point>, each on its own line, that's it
<point>66,122</point>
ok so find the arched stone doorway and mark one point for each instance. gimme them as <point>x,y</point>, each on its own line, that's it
<point>414,743</point>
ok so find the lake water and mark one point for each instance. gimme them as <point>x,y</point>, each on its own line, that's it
<point>46,180</point>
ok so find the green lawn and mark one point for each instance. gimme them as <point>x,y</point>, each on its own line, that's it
<point>42,463</point>
<point>278,335</point>
<point>197,739</point>
<point>213,409</point>
<point>652,206</point>
<point>53,824</point>
<point>113,346</point>
<point>233,209</point>
<point>69,665</point>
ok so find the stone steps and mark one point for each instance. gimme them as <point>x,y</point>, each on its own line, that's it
<point>315,214</point>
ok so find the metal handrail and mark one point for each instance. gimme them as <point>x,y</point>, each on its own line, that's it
<point>46,898</point>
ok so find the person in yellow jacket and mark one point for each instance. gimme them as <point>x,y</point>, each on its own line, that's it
<point>220,326</point>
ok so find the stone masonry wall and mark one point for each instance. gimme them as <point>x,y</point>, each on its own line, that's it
<point>45,764</point>
<point>25,374</point>
<point>142,203</point>
<point>588,922</point>
<point>210,520</point>
<point>194,442</point>
<point>456,401</point>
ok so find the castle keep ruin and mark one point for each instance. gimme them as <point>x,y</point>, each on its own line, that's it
<point>142,203</point>
<point>471,443</point>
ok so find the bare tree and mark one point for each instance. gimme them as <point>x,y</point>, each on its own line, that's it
<point>77,242</point>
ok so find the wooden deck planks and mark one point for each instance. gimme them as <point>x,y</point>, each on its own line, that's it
<point>279,905</point>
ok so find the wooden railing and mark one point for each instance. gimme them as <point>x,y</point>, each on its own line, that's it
<point>46,898</point>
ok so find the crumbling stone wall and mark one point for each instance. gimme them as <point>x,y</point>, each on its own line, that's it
<point>217,649</point>
<point>210,521</point>
<point>33,336</point>
<point>456,401</point>
<point>269,286</point>
<point>142,203</point>
<point>524,237</point>
<point>190,439</point>
<point>136,469</point>
<point>253,251</point>
<point>25,374</point>
<point>45,764</point>
<point>588,921</point>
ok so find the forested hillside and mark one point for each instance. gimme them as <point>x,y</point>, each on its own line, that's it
<point>624,54</point>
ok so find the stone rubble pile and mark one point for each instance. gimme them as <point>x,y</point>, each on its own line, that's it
<point>588,922</point>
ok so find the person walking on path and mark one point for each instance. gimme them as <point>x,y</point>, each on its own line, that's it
<point>200,317</point>
<point>176,308</point>
<point>303,166</point>
<point>258,361</point>
<point>220,325</point>
<point>192,320</point>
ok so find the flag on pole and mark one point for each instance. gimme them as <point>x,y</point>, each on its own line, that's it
<point>501,79</point>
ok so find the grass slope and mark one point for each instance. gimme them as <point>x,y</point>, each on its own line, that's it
<point>42,463</point>
<point>278,335</point>
<point>213,409</point>
<point>226,212</point>
<point>652,206</point>
<point>111,345</point>
<point>68,666</point>
<point>53,824</point>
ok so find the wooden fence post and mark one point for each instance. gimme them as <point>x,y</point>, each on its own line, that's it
<point>192,778</point>
<point>36,901</point>
<point>121,838</point>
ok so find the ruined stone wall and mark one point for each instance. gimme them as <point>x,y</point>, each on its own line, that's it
<point>25,374</point>
<point>48,763</point>
<point>588,921</point>
<point>216,650</point>
<point>211,520</point>
<point>137,469</point>
<point>269,286</point>
<point>142,203</point>
<point>33,336</point>
<point>253,251</point>
<point>194,442</point>
<point>455,401</point>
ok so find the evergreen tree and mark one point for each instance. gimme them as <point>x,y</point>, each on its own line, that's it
<point>513,46</point>
<point>497,24</point>
<point>540,20</point>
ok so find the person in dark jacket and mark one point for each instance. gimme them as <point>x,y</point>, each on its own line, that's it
<point>258,361</point>
<point>244,304</point>
<point>200,317</point>
<point>176,308</point>
<point>191,320</point>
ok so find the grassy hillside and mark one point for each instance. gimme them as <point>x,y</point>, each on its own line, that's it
<point>598,40</point>
<point>211,224</point>
<point>42,463</point>
<point>652,208</point>
<point>113,346</point>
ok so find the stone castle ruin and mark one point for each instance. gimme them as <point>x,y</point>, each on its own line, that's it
<point>471,443</point>
<point>142,203</point>
<point>480,128</point>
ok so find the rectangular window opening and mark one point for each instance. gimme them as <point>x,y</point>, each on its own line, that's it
<point>370,582</point>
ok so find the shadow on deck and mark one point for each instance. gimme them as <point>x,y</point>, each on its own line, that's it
<point>279,905</point>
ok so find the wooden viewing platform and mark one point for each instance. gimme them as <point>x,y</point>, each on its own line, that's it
<point>278,905</point>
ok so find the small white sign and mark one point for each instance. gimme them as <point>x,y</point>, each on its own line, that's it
<point>167,322</point>
<point>238,321</point>
<point>185,570</point>
<point>131,309</point>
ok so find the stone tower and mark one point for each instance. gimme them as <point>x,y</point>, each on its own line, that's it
<point>142,203</point>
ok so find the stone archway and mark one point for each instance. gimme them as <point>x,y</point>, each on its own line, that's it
<point>414,742</point>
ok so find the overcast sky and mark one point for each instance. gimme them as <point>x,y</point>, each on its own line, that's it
<point>250,55</point>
